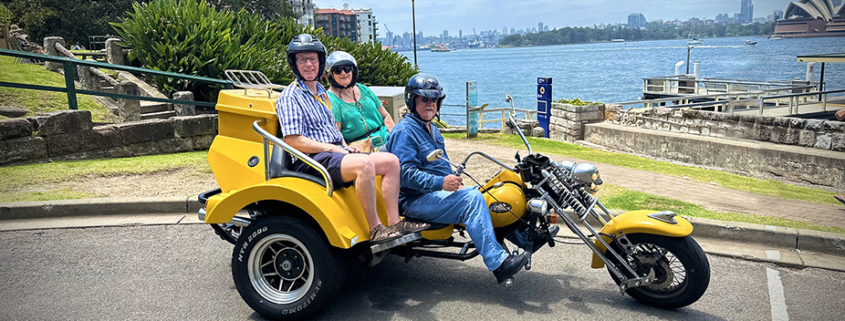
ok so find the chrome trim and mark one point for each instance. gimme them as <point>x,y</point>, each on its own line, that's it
<point>519,131</point>
<point>201,215</point>
<point>583,173</point>
<point>482,154</point>
<point>376,248</point>
<point>538,206</point>
<point>665,217</point>
<point>301,156</point>
<point>236,221</point>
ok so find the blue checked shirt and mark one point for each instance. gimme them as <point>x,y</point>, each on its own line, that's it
<point>300,113</point>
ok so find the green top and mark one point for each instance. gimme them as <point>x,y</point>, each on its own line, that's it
<point>351,116</point>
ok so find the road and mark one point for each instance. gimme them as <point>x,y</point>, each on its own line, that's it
<point>181,272</point>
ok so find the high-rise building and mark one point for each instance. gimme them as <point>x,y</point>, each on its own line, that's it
<point>539,26</point>
<point>722,18</point>
<point>367,25</point>
<point>505,31</point>
<point>513,31</point>
<point>337,23</point>
<point>636,20</point>
<point>779,13</point>
<point>746,11</point>
<point>460,34</point>
<point>305,10</point>
<point>445,34</point>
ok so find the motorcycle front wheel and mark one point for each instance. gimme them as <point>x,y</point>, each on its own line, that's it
<point>682,272</point>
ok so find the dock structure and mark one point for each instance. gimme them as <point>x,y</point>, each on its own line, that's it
<point>793,98</point>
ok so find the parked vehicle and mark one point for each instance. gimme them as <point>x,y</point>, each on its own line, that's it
<point>296,235</point>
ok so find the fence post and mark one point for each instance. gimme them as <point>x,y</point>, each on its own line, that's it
<point>50,46</point>
<point>129,109</point>
<point>70,85</point>
<point>114,52</point>
<point>184,109</point>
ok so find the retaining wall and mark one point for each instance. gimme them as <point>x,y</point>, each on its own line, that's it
<point>70,134</point>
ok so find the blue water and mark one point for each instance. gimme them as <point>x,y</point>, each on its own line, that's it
<point>613,72</point>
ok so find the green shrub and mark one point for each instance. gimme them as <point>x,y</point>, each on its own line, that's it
<point>5,15</point>
<point>578,102</point>
<point>194,38</point>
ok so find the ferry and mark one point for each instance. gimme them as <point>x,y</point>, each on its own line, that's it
<point>440,48</point>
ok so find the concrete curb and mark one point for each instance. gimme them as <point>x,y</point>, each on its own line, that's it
<point>782,237</point>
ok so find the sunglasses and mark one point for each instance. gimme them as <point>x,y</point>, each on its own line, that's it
<point>428,99</point>
<point>347,69</point>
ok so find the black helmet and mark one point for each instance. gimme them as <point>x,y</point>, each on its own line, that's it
<point>423,85</point>
<point>306,43</point>
<point>340,59</point>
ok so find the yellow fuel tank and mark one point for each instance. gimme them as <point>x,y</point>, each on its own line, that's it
<point>505,198</point>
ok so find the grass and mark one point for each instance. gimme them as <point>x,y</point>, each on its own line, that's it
<point>743,183</point>
<point>616,197</point>
<point>41,101</point>
<point>56,194</point>
<point>16,177</point>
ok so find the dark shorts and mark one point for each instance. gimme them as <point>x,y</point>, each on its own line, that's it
<point>331,161</point>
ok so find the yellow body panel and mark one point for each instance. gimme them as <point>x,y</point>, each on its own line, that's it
<point>638,222</point>
<point>237,109</point>
<point>509,192</point>
<point>340,217</point>
<point>440,234</point>
<point>228,158</point>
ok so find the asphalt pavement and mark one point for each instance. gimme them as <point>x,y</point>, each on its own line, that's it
<point>181,271</point>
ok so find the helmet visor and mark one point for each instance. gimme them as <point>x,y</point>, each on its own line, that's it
<point>431,93</point>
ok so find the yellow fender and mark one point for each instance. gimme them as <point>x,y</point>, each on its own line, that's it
<point>340,223</point>
<point>639,222</point>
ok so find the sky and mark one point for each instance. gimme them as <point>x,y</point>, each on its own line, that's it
<point>434,16</point>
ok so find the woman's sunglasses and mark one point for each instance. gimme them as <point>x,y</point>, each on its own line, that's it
<point>347,69</point>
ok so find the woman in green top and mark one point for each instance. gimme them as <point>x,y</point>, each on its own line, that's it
<point>357,110</point>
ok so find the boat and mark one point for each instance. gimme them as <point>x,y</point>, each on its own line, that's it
<point>440,48</point>
<point>617,40</point>
<point>775,38</point>
<point>749,43</point>
<point>695,41</point>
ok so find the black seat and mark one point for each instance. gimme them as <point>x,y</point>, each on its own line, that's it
<point>280,166</point>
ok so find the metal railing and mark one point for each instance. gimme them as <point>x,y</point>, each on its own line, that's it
<point>70,64</point>
<point>529,114</point>
<point>752,101</point>
<point>717,98</point>
<point>256,125</point>
<point>707,86</point>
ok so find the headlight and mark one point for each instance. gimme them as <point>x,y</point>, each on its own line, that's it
<point>566,164</point>
<point>538,206</point>
<point>586,173</point>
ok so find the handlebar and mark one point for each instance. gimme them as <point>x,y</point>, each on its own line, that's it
<point>512,124</point>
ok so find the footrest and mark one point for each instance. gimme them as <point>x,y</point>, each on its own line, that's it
<point>383,246</point>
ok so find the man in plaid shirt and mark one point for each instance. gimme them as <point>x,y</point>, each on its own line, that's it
<point>304,111</point>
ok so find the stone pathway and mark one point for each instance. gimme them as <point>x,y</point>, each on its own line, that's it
<point>711,197</point>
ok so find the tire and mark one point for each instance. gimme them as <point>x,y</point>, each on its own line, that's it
<point>681,275</point>
<point>312,272</point>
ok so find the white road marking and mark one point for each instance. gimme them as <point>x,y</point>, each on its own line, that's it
<point>772,228</point>
<point>773,255</point>
<point>776,298</point>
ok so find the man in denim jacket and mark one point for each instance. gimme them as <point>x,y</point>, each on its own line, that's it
<point>429,191</point>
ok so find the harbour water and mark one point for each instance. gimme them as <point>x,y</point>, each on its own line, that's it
<point>613,72</point>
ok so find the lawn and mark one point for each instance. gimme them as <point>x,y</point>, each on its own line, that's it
<point>738,182</point>
<point>40,101</point>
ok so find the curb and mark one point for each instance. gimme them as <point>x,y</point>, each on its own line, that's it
<point>784,237</point>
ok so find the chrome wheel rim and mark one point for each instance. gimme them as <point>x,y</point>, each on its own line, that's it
<point>670,273</point>
<point>281,269</point>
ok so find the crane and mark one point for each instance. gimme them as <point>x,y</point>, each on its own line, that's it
<point>477,42</point>
<point>390,35</point>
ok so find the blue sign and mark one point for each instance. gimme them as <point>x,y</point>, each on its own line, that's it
<point>472,112</point>
<point>544,102</point>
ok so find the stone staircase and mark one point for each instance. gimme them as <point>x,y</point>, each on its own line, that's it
<point>153,110</point>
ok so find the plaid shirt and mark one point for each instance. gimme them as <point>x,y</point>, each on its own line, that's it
<point>300,113</point>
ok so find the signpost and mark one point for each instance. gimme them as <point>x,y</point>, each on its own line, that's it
<point>544,102</point>
<point>472,109</point>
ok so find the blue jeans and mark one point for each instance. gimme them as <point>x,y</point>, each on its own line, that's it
<point>465,206</point>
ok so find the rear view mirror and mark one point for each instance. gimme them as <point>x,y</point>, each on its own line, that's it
<point>510,124</point>
<point>434,155</point>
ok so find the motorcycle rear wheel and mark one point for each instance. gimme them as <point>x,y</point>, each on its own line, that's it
<point>682,272</point>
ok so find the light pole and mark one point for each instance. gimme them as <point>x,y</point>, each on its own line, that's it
<point>414,19</point>
<point>689,47</point>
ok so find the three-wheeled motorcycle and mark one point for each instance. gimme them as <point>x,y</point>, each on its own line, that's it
<point>294,235</point>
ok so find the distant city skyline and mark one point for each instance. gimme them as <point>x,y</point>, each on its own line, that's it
<point>435,16</point>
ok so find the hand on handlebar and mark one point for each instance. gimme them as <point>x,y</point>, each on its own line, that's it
<point>452,183</point>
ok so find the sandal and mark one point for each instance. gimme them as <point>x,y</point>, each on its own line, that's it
<point>840,198</point>
<point>381,233</point>
<point>409,227</point>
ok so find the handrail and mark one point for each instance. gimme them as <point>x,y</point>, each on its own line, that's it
<point>747,93</point>
<point>738,82</point>
<point>21,54</point>
<point>70,87</point>
<point>296,153</point>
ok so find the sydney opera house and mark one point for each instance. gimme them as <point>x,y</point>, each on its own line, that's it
<point>811,18</point>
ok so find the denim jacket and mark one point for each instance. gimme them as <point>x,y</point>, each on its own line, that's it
<point>411,143</point>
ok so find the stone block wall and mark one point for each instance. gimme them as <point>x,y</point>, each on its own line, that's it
<point>815,133</point>
<point>567,121</point>
<point>70,134</point>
